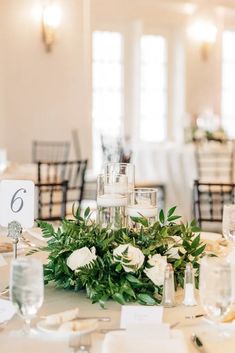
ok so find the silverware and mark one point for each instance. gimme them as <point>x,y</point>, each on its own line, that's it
<point>197,342</point>
<point>99,318</point>
<point>193,316</point>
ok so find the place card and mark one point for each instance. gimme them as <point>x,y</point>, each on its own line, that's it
<point>133,315</point>
<point>17,202</point>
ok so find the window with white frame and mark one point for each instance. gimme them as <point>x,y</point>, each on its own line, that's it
<point>228,83</point>
<point>107,86</point>
<point>153,105</point>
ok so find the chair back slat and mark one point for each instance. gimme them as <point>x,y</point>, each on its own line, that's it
<point>52,198</point>
<point>72,171</point>
<point>209,200</point>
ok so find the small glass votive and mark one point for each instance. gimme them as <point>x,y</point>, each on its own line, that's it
<point>111,200</point>
<point>127,169</point>
<point>142,202</point>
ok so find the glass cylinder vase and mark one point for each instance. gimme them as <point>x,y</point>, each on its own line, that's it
<point>111,200</point>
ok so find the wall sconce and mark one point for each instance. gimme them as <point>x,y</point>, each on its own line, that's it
<point>51,16</point>
<point>205,33</point>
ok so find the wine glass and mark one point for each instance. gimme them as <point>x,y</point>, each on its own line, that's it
<point>215,288</point>
<point>229,223</point>
<point>26,289</point>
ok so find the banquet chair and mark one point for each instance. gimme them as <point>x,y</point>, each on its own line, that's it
<point>73,171</point>
<point>51,200</point>
<point>50,151</point>
<point>215,162</point>
<point>208,202</point>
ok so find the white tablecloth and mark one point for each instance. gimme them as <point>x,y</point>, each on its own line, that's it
<point>172,165</point>
<point>57,300</point>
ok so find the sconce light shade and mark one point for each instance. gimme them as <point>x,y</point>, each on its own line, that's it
<point>205,33</point>
<point>51,16</point>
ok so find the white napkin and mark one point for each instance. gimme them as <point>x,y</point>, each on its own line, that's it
<point>7,310</point>
<point>126,342</point>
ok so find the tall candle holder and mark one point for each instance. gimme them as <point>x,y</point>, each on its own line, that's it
<point>111,200</point>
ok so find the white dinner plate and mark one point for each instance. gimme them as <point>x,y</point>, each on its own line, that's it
<point>211,236</point>
<point>7,310</point>
<point>221,325</point>
<point>89,326</point>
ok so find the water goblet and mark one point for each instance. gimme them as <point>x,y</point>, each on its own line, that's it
<point>229,223</point>
<point>26,289</point>
<point>215,289</point>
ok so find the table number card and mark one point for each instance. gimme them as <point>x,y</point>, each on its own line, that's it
<point>133,315</point>
<point>17,202</point>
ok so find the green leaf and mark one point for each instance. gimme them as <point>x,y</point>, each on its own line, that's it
<point>173,218</point>
<point>87,212</point>
<point>162,217</point>
<point>119,298</point>
<point>146,299</point>
<point>199,251</point>
<point>195,242</point>
<point>133,279</point>
<point>171,211</point>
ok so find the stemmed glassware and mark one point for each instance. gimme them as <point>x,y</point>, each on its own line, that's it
<point>215,288</point>
<point>229,223</point>
<point>27,289</point>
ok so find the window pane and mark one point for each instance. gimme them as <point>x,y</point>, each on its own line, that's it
<point>153,88</point>
<point>107,84</point>
<point>228,83</point>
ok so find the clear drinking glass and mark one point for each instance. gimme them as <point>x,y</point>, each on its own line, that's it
<point>27,289</point>
<point>127,169</point>
<point>142,202</point>
<point>112,200</point>
<point>229,222</point>
<point>215,288</point>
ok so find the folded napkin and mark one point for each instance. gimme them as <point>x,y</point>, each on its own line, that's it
<point>7,310</point>
<point>129,342</point>
<point>62,317</point>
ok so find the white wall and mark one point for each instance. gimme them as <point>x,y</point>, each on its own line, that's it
<point>46,95</point>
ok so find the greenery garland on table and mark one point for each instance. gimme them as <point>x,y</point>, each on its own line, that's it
<point>126,265</point>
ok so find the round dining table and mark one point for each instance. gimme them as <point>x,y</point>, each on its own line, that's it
<point>58,300</point>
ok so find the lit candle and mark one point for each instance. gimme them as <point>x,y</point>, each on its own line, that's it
<point>111,200</point>
<point>147,211</point>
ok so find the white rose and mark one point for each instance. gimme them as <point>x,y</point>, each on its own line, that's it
<point>156,272</point>
<point>134,255</point>
<point>81,257</point>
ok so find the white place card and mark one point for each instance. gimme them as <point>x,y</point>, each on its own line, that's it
<point>17,202</point>
<point>132,315</point>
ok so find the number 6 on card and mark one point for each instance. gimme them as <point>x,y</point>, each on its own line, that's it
<point>17,202</point>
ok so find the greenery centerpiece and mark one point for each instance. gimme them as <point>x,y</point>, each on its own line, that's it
<point>126,265</point>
